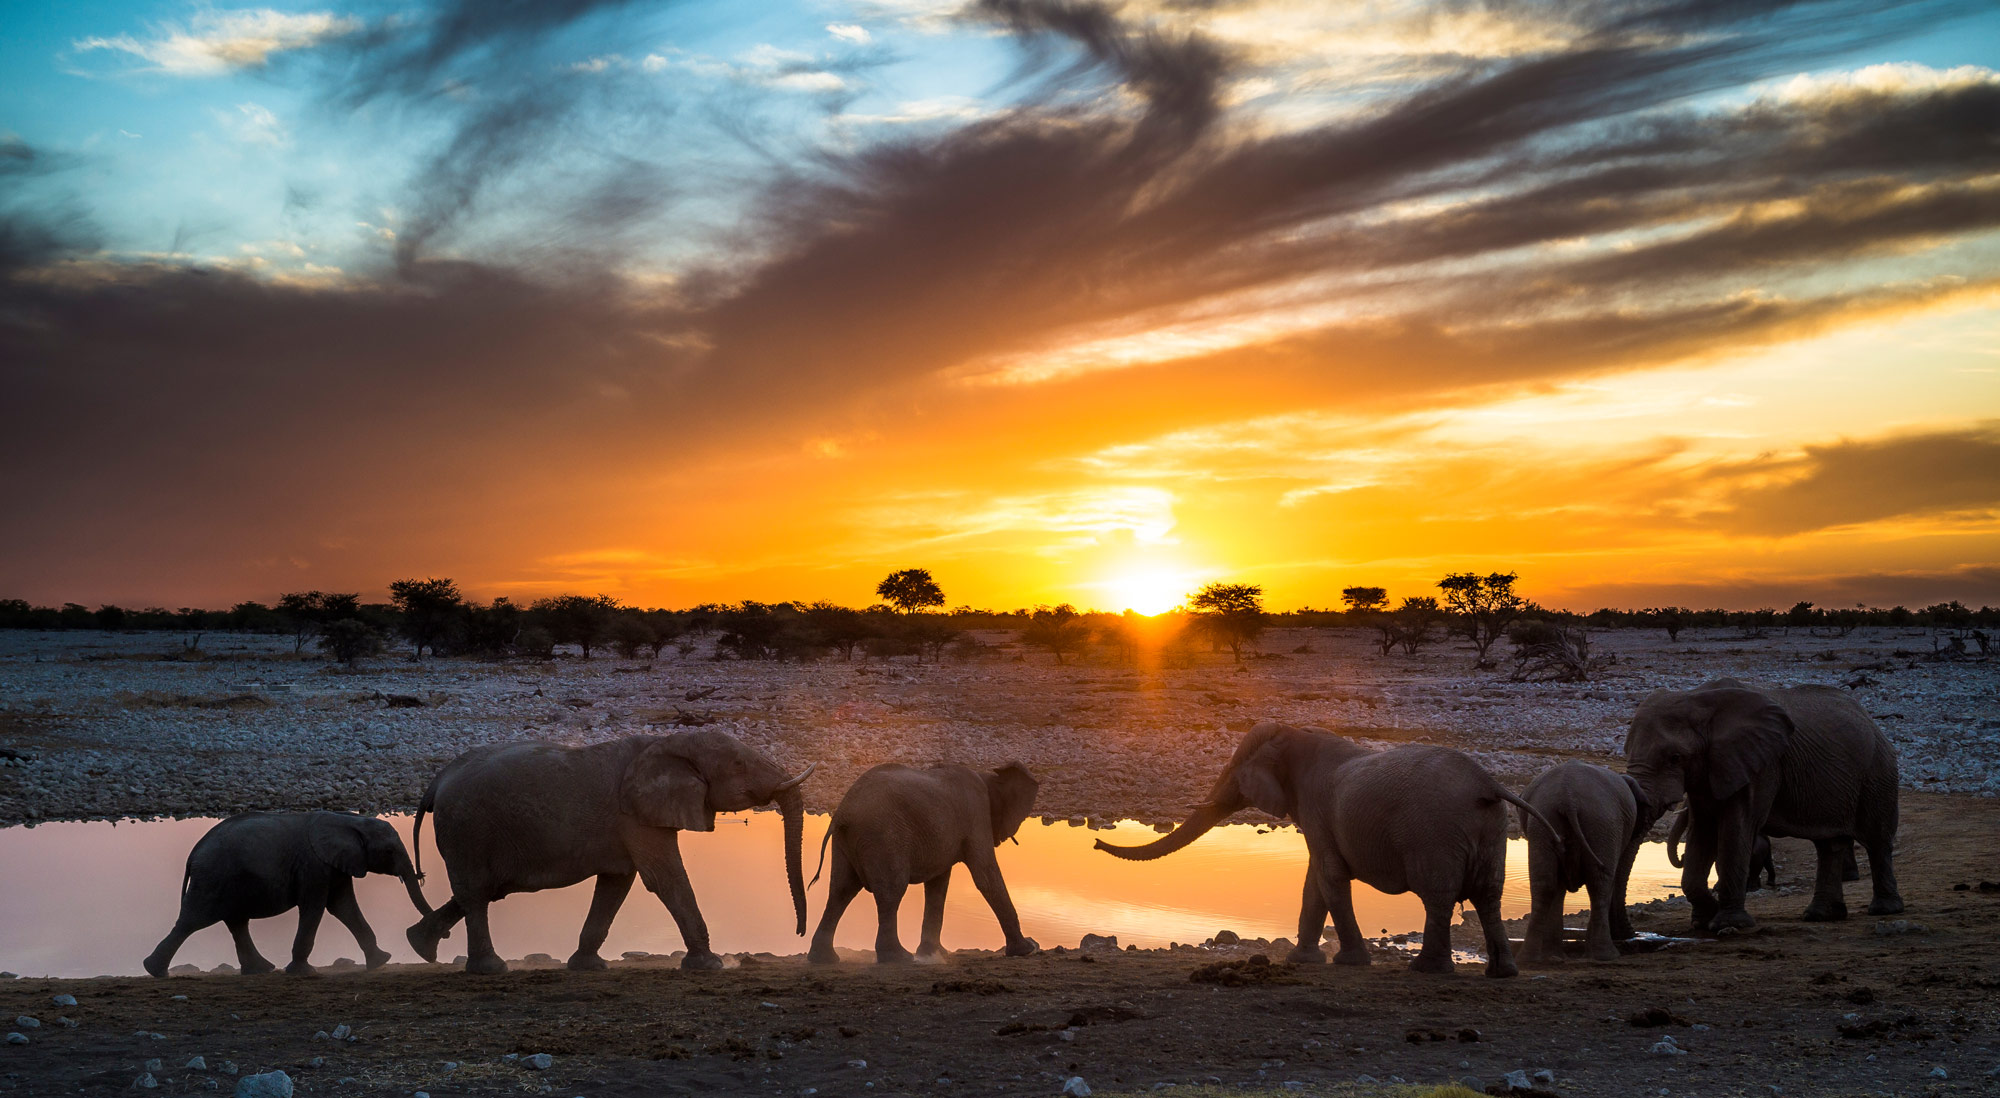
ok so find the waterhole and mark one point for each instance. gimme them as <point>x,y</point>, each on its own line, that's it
<point>88,899</point>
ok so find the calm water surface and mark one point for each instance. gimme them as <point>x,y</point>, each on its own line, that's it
<point>87,899</point>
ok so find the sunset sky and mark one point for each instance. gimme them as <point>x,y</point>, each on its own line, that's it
<point>1678,301</point>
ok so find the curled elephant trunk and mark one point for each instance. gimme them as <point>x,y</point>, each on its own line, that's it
<point>792,805</point>
<point>408,874</point>
<point>1674,834</point>
<point>1192,828</point>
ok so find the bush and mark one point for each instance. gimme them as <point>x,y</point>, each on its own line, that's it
<point>1546,651</point>
<point>350,639</point>
<point>1056,628</point>
<point>536,643</point>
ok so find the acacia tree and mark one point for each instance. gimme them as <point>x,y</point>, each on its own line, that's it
<point>911,590</point>
<point>1371,604</point>
<point>582,620</point>
<point>1484,605</point>
<point>1412,625</point>
<point>1059,629</point>
<point>308,612</point>
<point>430,608</point>
<point>1231,614</point>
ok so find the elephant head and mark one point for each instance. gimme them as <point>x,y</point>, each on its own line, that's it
<point>1709,743</point>
<point>1260,774</point>
<point>1010,791</point>
<point>682,781</point>
<point>359,845</point>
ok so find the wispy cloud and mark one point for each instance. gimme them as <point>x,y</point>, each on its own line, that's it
<point>215,43</point>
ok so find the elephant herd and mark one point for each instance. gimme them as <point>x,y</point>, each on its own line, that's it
<point>1750,763</point>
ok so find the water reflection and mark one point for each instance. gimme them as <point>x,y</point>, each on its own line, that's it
<point>86,899</point>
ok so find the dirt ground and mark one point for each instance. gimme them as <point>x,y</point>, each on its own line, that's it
<point>1863,1007</point>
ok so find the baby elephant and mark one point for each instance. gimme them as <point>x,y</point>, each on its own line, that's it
<point>1600,815</point>
<point>898,826</point>
<point>1761,864</point>
<point>261,864</point>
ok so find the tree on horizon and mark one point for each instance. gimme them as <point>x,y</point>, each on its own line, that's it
<point>911,590</point>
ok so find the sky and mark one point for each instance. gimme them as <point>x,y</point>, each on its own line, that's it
<point>1648,301</point>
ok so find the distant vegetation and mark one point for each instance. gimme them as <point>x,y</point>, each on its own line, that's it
<point>433,619</point>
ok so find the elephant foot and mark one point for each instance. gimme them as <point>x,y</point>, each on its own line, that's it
<point>377,958</point>
<point>895,955</point>
<point>1622,931</point>
<point>933,955</point>
<point>587,962</point>
<point>823,955</point>
<point>488,965</point>
<point>702,961</point>
<point>301,968</point>
<point>257,966</point>
<point>1886,905</point>
<point>1026,947</point>
<point>1435,964</point>
<point>155,967</point>
<point>1353,958</point>
<point>424,941</point>
<point>1818,912</point>
<point>1737,919</point>
<point>1305,955</point>
<point>1502,968</point>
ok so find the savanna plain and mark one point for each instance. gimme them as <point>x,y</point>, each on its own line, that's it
<point>102,726</point>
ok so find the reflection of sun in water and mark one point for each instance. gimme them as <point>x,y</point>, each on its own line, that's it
<point>1146,590</point>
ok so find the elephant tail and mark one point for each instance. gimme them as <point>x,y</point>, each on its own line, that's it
<point>1582,843</point>
<point>822,857</point>
<point>1531,810</point>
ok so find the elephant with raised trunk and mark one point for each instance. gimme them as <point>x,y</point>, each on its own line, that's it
<point>260,864</point>
<point>1804,762</point>
<point>522,817</point>
<point>898,826</point>
<point>1420,819</point>
<point>1599,817</point>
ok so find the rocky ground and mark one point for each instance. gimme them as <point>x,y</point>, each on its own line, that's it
<point>104,726</point>
<point>1875,1007</point>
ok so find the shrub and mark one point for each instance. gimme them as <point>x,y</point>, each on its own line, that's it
<point>350,639</point>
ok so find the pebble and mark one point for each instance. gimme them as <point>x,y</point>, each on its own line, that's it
<point>146,1081</point>
<point>270,1084</point>
<point>1097,942</point>
<point>196,1063</point>
<point>540,1061</point>
<point>510,1057</point>
<point>1472,1083</point>
<point>228,1067</point>
<point>1894,927</point>
<point>178,998</point>
<point>1517,1080</point>
<point>156,1064</point>
<point>857,1064</point>
<point>319,1061</point>
<point>26,1022</point>
<point>1075,1087</point>
<point>1940,1073</point>
<point>17,1038</point>
<point>66,1022</point>
<point>1666,1047</point>
<point>421,1094</point>
<point>1545,1077</point>
<point>64,1000</point>
<point>1365,1080</point>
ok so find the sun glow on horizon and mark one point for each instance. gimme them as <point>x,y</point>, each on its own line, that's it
<point>1147,590</point>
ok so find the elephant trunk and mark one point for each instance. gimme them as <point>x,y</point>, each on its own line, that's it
<point>792,805</point>
<point>408,874</point>
<point>1194,827</point>
<point>1674,834</point>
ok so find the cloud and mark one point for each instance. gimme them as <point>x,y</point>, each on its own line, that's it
<point>220,42</point>
<point>254,124</point>
<point>850,32</point>
<point>1853,482</point>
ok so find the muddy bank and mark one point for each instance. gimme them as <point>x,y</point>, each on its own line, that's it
<point>104,726</point>
<point>1862,1007</point>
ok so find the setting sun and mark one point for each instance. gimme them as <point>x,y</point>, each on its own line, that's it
<point>1147,590</point>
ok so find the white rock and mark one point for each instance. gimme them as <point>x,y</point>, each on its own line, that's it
<point>25,1022</point>
<point>1517,1080</point>
<point>341,1032</point>
<point>269,1084</point>
<point>196,1063</point>
<point>146,1082</point>
<point>857,1064</point>
<point>17,1038</point>
<point>540,1061</point>
<point>156,1064</point>
<point>1075,1087</point>
<point>64,1000</point>
<point>1940,1073</point>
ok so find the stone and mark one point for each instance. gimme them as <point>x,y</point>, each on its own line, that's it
<point>510,1058</point>
<point>1075,1087</point>
<point>319,1061</point>
<point>1893,927</point>
<point>1365,1080</point>
<point>342,1032</point>
<point>146,1082</point>
<point>66,1022</point>
<point>269,1084</point>
<point>1472,1083</point>
<point>857,1064</point>
<point>1226,938</point>
<point>11,975</point>
<point>178,998</point>
<point>228,1067</point>
<point>156,1064</point>
<point>196,1063</point>
<point>210,1084</point>
<point>1517,1080</point>
<point>540,1061</point>
<point>538,959</point>
<point>1940,1073</point>
<point>1545,1077</point>
<point>636,955</point>
<point>17,1038</point>
<point>64,1000</point>
<point>25,1022</point>
<point>1665,1046</point>
<point>1098,942</point>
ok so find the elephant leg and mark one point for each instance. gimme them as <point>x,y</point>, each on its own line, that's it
<point>310,911</point>
<point>426,932</point>
<point>1735,835</point>
<point>611,890</point>
<point>247,958</point>
<point>1621,915</point>
<point>1337,896</point>
<point>1499,955</point>
<point>1598,940</point>
<point>930,945</point>
<point>1700,858</point>
<point>481,959</point>
<point>842,886</point>
<point>340,900</point>
<point>1850,870</point>
<point>986,878</point>
<point>1828,905</point>
<point>1541,938</point>
<point>1312,919</point>
<point>666,877</point>
<point>162,956</point>
<point>888,946</point>
<point>1888,899</point>
<point>1435,956</point>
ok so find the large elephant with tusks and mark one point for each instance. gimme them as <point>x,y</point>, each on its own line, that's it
<point>522,817</point>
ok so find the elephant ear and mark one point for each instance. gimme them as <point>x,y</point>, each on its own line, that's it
<point>1747,735</point>
<point>1260,780</point>
<point>662,789</point>
<point>1010,794</point>
<point>338,842</point>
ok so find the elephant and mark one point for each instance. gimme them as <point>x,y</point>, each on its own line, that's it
<point>1762,867</point>
<point>522,817</point>
<point>898,826</point>
<point>1804,762</point>
<point>260,864</point>
<point>1599,813</point>
<point>1415,818</point>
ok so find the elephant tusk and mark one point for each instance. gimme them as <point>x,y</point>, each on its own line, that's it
<point>795,782</point>
<point>1015,839</point>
